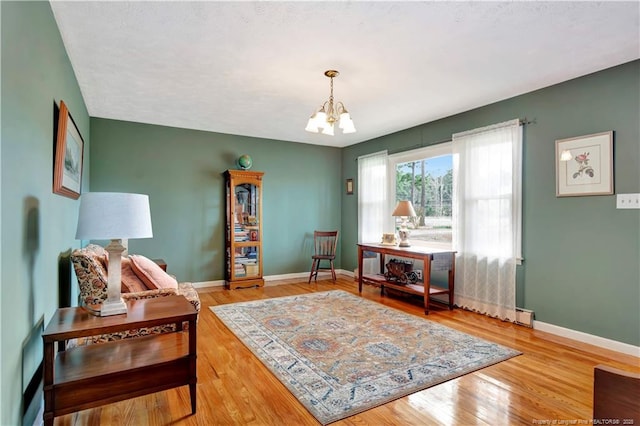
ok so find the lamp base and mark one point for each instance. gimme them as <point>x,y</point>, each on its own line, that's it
<point>113,308</point>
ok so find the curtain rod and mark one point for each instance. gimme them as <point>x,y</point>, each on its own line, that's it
<point>522,121</point>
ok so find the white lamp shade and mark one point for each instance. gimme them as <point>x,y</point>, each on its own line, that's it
<point>344,118</point>
<point>328,129</point>
<point>113,215</point>
<point>311,125</point>
<point>346,123</point>
<point>321,119</point>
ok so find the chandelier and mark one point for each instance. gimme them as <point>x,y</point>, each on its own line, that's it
<point>324,119</point>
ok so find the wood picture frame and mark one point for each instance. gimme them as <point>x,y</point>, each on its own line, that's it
<point>349,186</point>
<point>68,156</point>
<point>584,165</point>
<point>388,240</point>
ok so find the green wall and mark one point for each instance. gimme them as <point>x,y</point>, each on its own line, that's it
<point>581,254</point>
<point>37,225</point>
<point>181,170</point>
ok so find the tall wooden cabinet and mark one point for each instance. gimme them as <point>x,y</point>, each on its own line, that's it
<point>243,234</point>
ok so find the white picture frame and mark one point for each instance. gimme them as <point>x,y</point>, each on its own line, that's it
<point>584,165</point>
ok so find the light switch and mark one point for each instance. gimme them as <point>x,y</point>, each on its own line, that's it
<point>628,201</point>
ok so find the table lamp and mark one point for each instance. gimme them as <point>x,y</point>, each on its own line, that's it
<point>404,209</point>
<point>113,216</point>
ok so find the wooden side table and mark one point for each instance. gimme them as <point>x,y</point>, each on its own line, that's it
<point>93,375</point>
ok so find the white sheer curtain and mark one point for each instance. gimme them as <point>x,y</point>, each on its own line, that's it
<point>373,208</point>
<point>486,214</point>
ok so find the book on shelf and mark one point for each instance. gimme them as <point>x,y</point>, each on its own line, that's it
<point>251,268</point>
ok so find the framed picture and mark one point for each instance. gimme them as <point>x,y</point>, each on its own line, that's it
<point>388,239</point>
<point>349,185</point>
<point>584,165</point>
<point>69,149</point>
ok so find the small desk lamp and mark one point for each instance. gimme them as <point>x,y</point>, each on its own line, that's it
<point>404,209</point>
<point>113,216</point>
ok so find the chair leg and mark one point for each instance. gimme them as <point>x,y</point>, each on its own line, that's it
<point>313,267</point>
<point>333,271</point>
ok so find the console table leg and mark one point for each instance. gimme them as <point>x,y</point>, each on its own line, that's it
<point>192,394</point>
<point>426,278</point>
<point>452,280</point>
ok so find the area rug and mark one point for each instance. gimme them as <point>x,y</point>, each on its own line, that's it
<point>341,354</point>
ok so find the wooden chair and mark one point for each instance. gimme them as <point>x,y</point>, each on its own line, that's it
<point>616,395</point>
<point>325,244</point>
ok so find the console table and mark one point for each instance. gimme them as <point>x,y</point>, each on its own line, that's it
<point>433,259</point>
<point>97,374</point>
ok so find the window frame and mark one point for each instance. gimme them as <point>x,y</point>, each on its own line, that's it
<point>418,154</point>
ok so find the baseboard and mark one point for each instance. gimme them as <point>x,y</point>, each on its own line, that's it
<point>591,339</point>
<point>345,272</point>
<point>270,278</point>
<point>291,276</point>
<point>203,284</point>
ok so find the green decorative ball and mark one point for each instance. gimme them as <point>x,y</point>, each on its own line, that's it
<point>245,162</point>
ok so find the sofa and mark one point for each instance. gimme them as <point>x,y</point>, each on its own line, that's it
<point>140,280</point>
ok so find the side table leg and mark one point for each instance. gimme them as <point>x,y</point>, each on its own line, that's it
<point>48,383</point>
<point>193,380</point>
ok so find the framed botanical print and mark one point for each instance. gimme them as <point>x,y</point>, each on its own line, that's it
<point>584,165</point>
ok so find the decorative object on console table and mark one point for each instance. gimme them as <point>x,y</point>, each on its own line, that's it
<point>389,239</point>
<point>404,209</point>
<point>584,165</point>
<point>243,236</point>
<point>67,170</point>
<point>112,216</point>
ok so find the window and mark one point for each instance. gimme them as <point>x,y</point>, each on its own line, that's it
<point>425,177</point>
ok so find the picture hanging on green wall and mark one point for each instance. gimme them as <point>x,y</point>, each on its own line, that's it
<point>67,168</point>
<point>584,165</point>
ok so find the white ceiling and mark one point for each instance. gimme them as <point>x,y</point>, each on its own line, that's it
<point>256,68</point>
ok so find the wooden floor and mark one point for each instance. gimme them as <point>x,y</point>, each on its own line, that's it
<point>552,380</point>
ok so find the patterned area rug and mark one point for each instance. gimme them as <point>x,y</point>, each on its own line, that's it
<point>340,354</point>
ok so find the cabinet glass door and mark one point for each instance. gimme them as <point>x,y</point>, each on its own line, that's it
<point>246,231</point>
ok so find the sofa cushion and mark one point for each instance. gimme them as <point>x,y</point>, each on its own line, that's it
<point>92,276</point>
<point>151,274</point>
<point>130,281</point>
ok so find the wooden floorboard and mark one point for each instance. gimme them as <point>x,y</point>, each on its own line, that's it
<point>552,380</point>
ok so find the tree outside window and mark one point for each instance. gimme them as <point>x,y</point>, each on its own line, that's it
<point>428,184</point>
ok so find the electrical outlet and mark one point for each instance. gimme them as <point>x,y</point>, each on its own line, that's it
<point>628,201</point>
